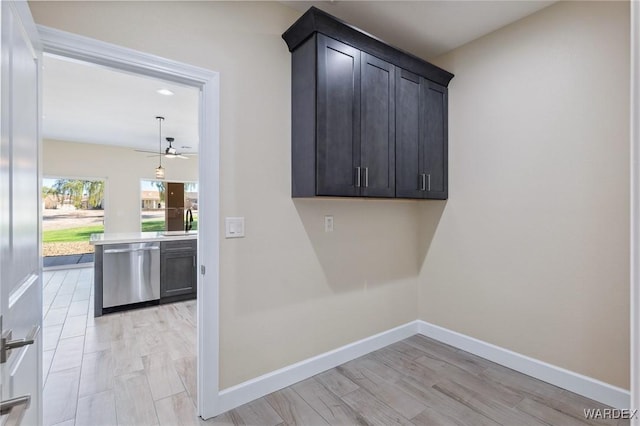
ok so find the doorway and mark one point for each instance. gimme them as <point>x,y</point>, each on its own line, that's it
<point>207,82</point>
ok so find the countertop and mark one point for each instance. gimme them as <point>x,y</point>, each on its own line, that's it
<point>135,237</point>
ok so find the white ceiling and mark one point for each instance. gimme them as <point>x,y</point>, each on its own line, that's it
<point>426,28</point>
<point>93,104</point>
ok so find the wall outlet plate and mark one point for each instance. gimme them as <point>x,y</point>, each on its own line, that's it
<point>234,227</point>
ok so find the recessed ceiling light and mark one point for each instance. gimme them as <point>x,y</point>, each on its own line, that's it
<point>165,92</point>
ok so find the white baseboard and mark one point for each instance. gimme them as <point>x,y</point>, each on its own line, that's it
<point>574,382</point>
<point>263,385</point>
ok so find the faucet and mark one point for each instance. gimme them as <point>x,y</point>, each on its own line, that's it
<point>188,222</point>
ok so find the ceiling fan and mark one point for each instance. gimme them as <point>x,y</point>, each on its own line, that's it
<point>169,152</point>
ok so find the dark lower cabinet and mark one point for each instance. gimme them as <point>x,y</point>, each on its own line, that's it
<point>421,138</point>
<point>178,271</point>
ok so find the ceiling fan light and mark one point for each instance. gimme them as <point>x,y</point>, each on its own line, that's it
<point>159,172</point>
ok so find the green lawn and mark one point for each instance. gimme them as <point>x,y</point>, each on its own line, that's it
<point>158,225</point>
<point>71,234</point>
<point>83,233</point>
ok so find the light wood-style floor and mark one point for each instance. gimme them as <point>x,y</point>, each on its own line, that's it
<point>131,368</point>
<point>138,368</point>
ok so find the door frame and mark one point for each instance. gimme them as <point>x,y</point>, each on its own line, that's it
<point>635,208</point>
<point>86,49</point>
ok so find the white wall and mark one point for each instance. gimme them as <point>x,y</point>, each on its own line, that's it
<point>288,291</point>
<point>121,168</point>
<point>531,250</point>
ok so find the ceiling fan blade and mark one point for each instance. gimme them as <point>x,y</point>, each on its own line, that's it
<point>182,157</point>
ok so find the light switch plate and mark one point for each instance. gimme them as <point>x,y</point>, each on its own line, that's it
<point>234,227</point>
<point>328,224</point>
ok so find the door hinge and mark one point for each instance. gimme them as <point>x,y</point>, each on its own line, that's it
<point>202,270</point>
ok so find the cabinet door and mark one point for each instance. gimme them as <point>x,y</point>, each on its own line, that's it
<point>435,154</point>
<point>338,118</point>
<point>408,144</point>
<point>178,272</point>
<point>377,136</point>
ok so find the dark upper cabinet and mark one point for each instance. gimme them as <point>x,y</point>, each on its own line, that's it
<point>434,140</point>
<point>408,142</point>
<point>421,138</point>
<point>377,124</point>
<point>368,120</point>
<point>338,117</point>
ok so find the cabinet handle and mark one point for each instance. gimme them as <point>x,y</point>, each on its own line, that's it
<point>366,177</point>
<point>423,185</point>
<point>357,177</point>
<point>428,182</point>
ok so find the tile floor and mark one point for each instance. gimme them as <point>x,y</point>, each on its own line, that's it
<point>131,368</point>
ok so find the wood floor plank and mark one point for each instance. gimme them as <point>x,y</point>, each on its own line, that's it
<point>50,337</point>
<point>186,369</point>
<point>134,403</point>
<point>177,410</point>
<point>255,413</point>
<point>97,338</point>
<point>443,404</point>
<point>126,358</point>
<point>78,307</point>
<point>68,354</point>
<point>502,394</point>
<point>449,355</point>
<point>336,382</point>
<point>375,412</point>
<point>74,326</point>
<point>547,414</point>
<point>47,357</point>
<point>60,396</point>
<point>559,399</point>
<point>431,417</point>
<point>330,407</point>
<point>383,390</point>
<point>97,373</point>
<point>97,410</point>
<point>405,365</point>
<point>293,409</point>
<point>485,405</point>
<point>223,419</point>
<point>407,350</point>
<point>163,377</point>
<point>55,317</point>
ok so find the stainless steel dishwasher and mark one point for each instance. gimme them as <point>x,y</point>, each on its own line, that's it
<point>130,273</point>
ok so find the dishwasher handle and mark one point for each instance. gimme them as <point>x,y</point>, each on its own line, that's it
<point>111,251</point>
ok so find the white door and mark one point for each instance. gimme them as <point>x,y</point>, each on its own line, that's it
<point>20,261</point>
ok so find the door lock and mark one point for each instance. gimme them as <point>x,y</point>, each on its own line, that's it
<point>7,345</point>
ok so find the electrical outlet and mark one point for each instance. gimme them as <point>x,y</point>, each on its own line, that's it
<point>328,224</point>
